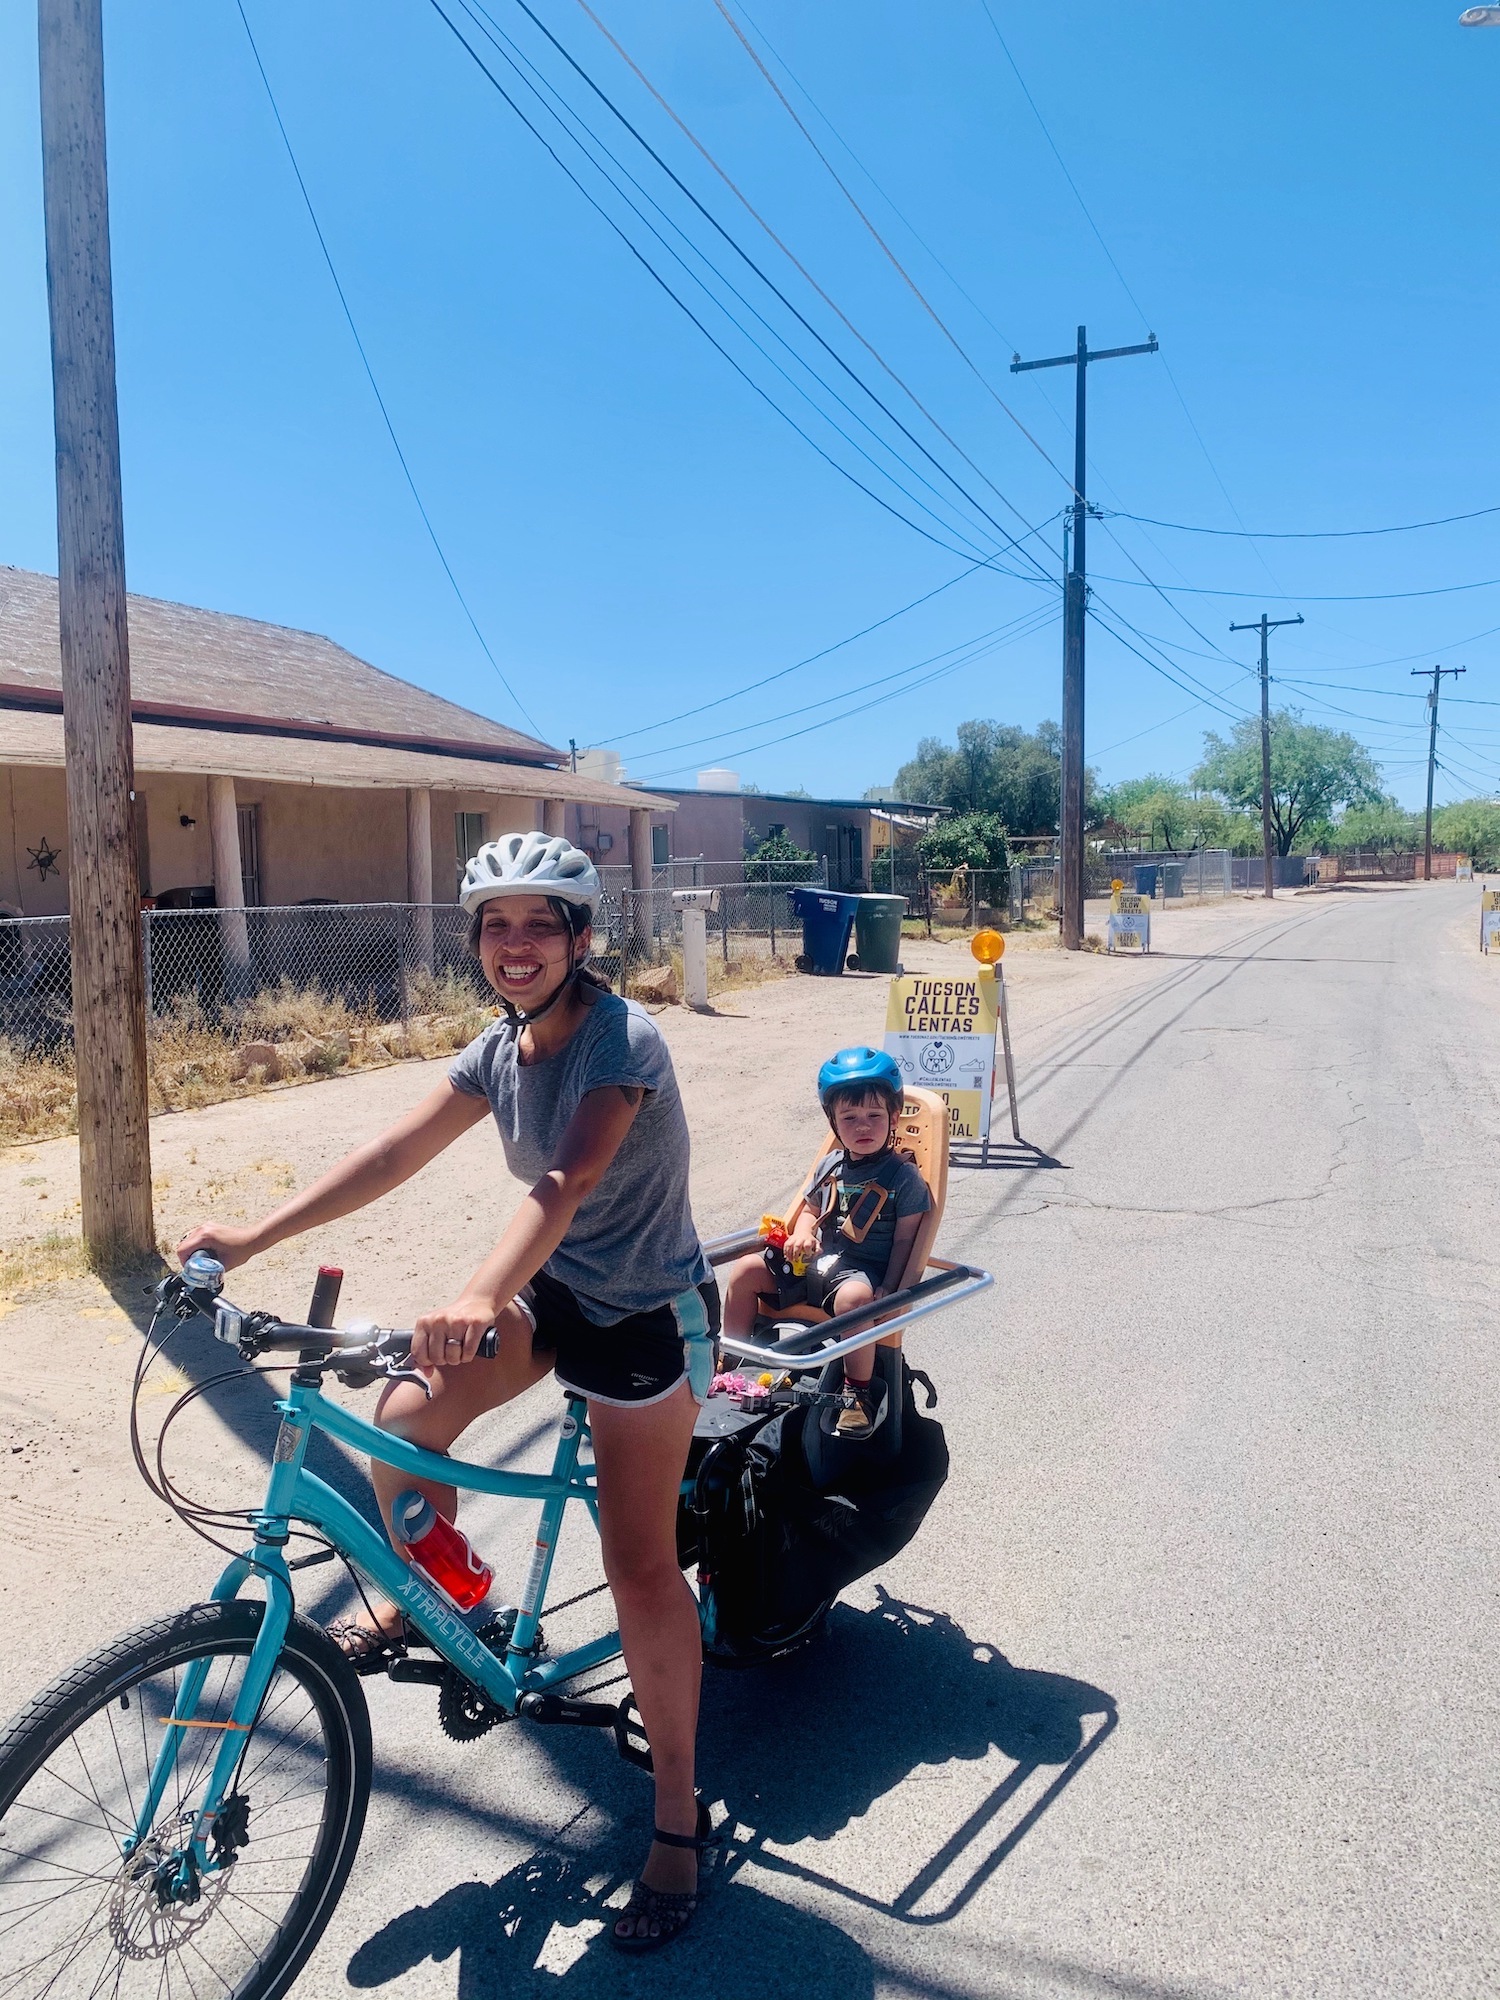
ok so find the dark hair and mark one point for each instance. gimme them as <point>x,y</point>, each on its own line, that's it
<point>856,1093</point>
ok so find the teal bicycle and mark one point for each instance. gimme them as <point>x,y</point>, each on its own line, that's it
<point>179,1814</point>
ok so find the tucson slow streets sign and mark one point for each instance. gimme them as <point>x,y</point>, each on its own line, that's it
<point>942,1033</point>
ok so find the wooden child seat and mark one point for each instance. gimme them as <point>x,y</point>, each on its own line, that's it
<point>922,1138</point>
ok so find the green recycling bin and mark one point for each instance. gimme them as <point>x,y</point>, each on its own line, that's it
<point>877,934</point>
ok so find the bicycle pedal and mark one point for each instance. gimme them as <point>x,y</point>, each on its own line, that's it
<point>431,1673</point>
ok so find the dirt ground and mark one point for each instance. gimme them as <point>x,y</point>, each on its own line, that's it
<point>88,1543</point>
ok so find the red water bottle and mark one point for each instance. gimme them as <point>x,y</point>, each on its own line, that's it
<point>440,1552</point>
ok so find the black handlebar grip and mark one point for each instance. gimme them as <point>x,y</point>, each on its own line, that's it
<point>325,1296</point>
<point>488,1342</point>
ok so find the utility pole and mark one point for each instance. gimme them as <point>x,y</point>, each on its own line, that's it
<point>1265,626</point>
<point>573,753</point>
<point>1432,702</point>
<point>1075,609</point>
<point>109,1001</point>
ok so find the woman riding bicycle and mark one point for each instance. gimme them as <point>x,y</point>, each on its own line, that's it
<point>599,1277</point>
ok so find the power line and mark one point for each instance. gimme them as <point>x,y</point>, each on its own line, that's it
<point>751,687</point>
<point>687,310</point>
<point>801,268</point>
<point>971,649</point>
<point>895,694</point>
<point>564,113</point>
<point>1110,258</point>
<point>370,375</point>
<point>1305,597</point>
<point>1311,534</point>
<point>1207,699</point>
<point>927,306</point>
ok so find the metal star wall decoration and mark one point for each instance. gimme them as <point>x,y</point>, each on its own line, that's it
<point>45,858</point>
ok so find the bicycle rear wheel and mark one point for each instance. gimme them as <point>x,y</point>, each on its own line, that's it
<point>78,1917</point>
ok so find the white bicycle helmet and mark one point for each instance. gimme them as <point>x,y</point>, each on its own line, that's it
<point>530,864</point>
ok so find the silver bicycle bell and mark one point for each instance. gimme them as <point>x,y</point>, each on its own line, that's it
<point>204,1273</point>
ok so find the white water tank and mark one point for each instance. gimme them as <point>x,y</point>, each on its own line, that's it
<point>602,764</point>
<point>718,781</point>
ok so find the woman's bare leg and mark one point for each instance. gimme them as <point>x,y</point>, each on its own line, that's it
<point>459,1396</point>
<point>641,1454</point>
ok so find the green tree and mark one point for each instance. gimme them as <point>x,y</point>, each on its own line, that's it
<point>777,858</point>
<point>1472,827</point>
<point>970,840</point>
<point>994,768</point>
<point>1381,827</point>
<point>1316,773</point>
<point>1168,812</point>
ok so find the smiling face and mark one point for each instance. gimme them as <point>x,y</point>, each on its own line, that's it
<point>863,1126</point>
<point>524,949</point>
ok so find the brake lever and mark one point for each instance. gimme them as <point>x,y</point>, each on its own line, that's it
<point>393,1374</point>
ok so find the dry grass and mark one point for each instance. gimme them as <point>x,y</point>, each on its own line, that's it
<point>36,1097</point>
<point>41,1260</point>
<point>193,1062</point>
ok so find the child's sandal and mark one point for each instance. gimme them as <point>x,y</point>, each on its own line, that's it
<point>669,1911</point>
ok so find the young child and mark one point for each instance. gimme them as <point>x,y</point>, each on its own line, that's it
<point>855,1222</point>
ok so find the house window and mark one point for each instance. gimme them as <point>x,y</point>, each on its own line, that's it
<point>249,819</point>
<point>659,855</point>
<point>468,838</point>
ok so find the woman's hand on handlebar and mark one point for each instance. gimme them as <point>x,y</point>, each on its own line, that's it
<point>450,1337</point>
<point>232,1246</point>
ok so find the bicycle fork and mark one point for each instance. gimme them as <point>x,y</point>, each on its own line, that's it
<point>267,1562</point>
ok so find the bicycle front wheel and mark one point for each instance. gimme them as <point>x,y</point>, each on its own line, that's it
<point>82,1916</point>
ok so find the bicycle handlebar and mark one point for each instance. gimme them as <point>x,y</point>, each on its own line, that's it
<point>354,1347</point>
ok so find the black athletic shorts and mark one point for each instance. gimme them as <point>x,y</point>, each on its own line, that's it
<point>826,1273</point>
<point>637,1360</point>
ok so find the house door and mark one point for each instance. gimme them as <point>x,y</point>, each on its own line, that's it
<point>249,818</point>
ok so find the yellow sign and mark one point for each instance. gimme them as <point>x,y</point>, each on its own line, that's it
<point>1130,906</point>
<point>942,1033</point>
<point>1490,899</point>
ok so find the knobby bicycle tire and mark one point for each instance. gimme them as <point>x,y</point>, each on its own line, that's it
<point>112,1692</point>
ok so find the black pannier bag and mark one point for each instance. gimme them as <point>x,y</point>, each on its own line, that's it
<point>783,1516</point>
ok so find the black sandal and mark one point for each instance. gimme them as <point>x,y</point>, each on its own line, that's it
<point>670,1910</point>
<point>367,1649</point>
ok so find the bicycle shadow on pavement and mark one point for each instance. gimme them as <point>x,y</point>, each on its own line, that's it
<point>540,1930</point>
<point>799,1751</point>
<point>808,1745</point>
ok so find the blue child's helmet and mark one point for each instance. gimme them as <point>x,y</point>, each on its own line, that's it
<point>859,1065</point>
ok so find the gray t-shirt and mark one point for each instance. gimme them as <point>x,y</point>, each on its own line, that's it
<point>632,1245</point>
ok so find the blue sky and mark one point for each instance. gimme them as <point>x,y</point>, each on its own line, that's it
<point>1300,199</point>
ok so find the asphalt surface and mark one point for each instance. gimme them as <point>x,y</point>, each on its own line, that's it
<point>1188,1686</point>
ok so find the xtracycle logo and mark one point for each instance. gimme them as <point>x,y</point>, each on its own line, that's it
<point>452,1629</point>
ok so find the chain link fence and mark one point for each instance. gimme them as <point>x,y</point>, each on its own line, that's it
<point>239,998</point>
<point>1201,874</point>
<point>746,921</point>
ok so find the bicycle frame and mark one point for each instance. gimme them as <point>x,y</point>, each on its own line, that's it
<point>296,1495</point>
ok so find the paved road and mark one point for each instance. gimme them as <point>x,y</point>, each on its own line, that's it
<point>1189,1687</point>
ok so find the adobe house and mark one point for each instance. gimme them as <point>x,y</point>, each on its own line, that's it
<point>274,767</point>
<point>722,826</point>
